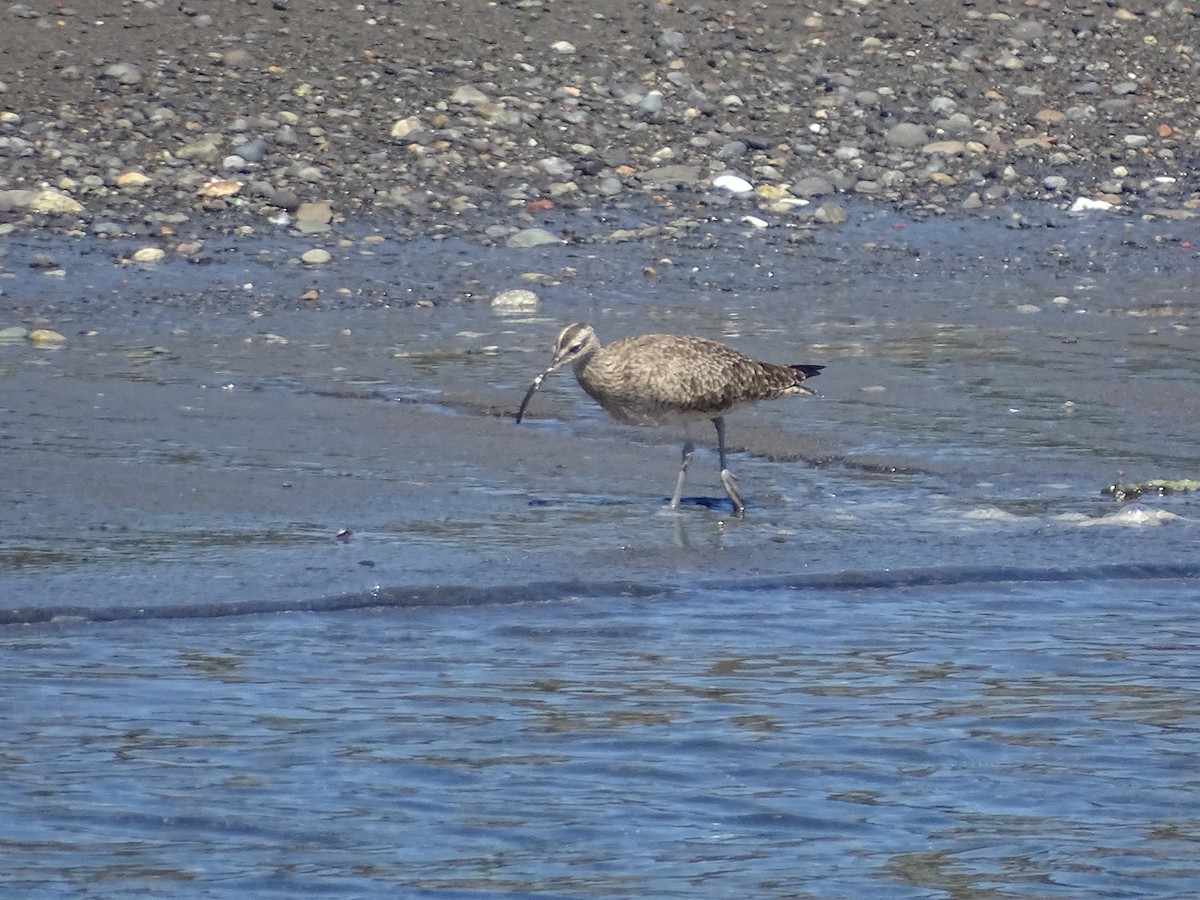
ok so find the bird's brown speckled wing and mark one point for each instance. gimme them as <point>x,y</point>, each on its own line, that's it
<point>657,375</point>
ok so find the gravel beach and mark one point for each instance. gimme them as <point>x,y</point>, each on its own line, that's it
<point>477,118</point>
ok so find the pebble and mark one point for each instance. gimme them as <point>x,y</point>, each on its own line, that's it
<point>469,95</point>
<point>54,203</point>
<point>148,254</point>
<point>46,338</point>
<point>314,217</point>
<point>517,300</point>
<point>829,213</point>
<point>474,128</point>
<point>906,135</point>
<point>674,176</point>
<point>12,334</point>
<point>406,128</point>
<point>124,73</point>
<point>1088,204</point>
<point>532,237</point>
<point>133,180</point>
<point>733,184</point>
<point>316,257</point>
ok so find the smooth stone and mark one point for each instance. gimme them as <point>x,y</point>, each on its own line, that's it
<point>133,179</point>
<point>906,136</point>
<point>45,337</point>
<point>124,73</point>
<point>1087,204</point>
<point>469,96</point>
<point>671,176</point>
<point>12,334</point>
<point>50,201</point>
<point>947,148</point>
<point>829,213</point>
<point>532,237</point>
<point>314,217</point>
<point>206,148</point>
<point>148,254</point>
<point>253,150</point>
<point>316,257</point>
<point>517,300</point>
<point>812,186</point>
<point>734,184</point>
<point>406,127</point>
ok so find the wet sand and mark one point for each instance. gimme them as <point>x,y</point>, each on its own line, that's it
<point>184,450</point>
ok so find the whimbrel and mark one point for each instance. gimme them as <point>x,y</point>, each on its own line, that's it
<point>669,379</point>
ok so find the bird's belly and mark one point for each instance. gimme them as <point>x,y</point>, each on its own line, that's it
<point>634,412</point>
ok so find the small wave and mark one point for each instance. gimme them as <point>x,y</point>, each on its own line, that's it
<point>434,596</point>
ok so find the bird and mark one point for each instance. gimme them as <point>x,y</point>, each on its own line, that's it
<point>671,379</point>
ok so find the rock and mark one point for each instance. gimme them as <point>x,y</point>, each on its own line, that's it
<point>772,192</point>
<point>238,58</point>
<point>47,339</point>
<point>563,47</point>
<point>732,184</point>
<point>1050,116</point>
<point>54,202</point>
<point>650,106</point>
<point>812,186</point>
<point>556,167</point>
<point>1087,204</point>
<point>12,334</point>
<point>316,257</point>
<point>406,128</point>
<point>671,177</point>
<point>315,217</point>
<point>206,149</point>
<point>906,136</point>
<point>133,180</point>
<point>217,189</point>
<point>468,95</point>
<point>532,237</point>
<point>829,213</point>
<point>945,148</point>
<point>1028,30</point>
<point>515,301</point>
<point>253,150</point>
<point>147,254</point>
<point>124,73</point>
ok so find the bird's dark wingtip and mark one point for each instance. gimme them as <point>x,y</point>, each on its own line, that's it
<point>808,371</point>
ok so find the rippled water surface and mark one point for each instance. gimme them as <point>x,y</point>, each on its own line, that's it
<point>961,740</point>
<point>291,606</point>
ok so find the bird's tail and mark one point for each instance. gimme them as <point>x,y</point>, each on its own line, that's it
<point>803,372</point>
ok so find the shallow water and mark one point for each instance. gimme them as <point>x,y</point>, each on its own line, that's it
<point>933,661</point>
<point>1025,739</point>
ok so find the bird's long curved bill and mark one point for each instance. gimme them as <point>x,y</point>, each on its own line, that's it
<point>537,383</point>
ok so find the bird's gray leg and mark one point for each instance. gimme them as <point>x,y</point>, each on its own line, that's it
<point>739,508</point>
<point>688,449</point>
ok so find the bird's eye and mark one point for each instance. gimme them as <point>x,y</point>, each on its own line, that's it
<point>575,348</point>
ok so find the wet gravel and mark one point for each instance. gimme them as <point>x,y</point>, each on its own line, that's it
<point>177,120</point>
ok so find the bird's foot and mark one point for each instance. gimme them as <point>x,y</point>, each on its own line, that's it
<point>727,479</point>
